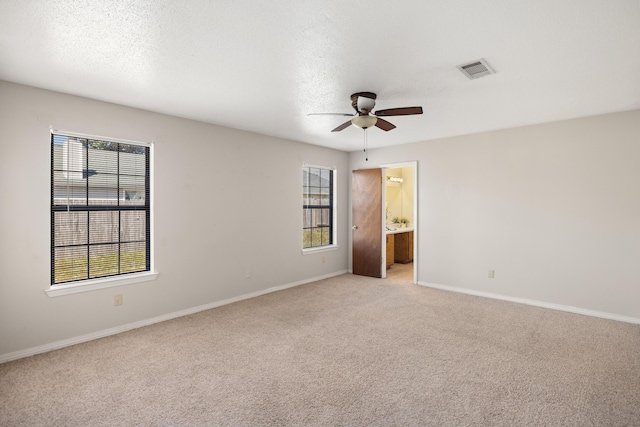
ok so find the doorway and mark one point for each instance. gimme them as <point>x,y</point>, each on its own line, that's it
<point>385,210</point>
<point>401,220</point>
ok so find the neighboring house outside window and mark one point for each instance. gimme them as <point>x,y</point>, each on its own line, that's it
<point>100,208</point>
<point>318,202</point>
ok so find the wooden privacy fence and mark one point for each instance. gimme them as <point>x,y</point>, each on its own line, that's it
<point>96,227</point>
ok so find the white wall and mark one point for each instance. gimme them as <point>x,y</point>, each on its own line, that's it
<point>225,200</point>
<point>554,209</point>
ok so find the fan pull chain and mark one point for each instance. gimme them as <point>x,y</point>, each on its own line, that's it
<point>366,157</point>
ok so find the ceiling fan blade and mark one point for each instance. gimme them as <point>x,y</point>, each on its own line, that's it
<point>342,126</point>
<point>404,111</point>
<point>384,125</point>
<point>330,114</point>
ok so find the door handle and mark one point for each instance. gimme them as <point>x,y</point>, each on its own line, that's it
<point>355,227</point>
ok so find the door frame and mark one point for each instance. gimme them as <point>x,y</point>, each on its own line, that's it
<point>413,164</point>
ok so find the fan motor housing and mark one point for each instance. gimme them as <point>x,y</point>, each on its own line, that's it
<point>369,95</point>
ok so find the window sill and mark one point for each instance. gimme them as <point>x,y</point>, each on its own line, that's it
<point>310,251</point>
<point>94,284</point>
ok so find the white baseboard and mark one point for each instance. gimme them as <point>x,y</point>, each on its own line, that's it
<point>123,328</point>
<point>559,307</point>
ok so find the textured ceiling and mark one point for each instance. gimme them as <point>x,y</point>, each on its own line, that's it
<point>263,66</point>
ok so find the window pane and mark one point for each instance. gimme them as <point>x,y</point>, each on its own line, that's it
<point>325,236</point>
<point>98,144</point>
<point>132,190</point>
<point>305,177</point>
<point>103,189</point>
<point>69,190</point>
<point>324,217</point>
<point>103,227</point>
<point>306,218</point>
<point>70,228</point>
<point>314,195</point>
<point>132,164</point>
<point>133,226</point>
<point>103,260</point>
<point>103,162</point>
<point>70,264</point>
<point>133,257</point>
<point>69,155</point>
<point>306,238</point>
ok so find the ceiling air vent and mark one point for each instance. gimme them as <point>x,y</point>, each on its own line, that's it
<point>476,69</point>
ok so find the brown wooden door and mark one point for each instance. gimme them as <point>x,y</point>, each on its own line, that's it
<point>367,222</point>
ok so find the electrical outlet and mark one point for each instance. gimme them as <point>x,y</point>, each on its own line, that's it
<point>247,273</point>
<point>491,274</point>
<point>117,299</point>
<point>323,260</point>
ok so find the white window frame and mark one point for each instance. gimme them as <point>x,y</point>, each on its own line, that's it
<point>120,280</point>
<point>334,213</point>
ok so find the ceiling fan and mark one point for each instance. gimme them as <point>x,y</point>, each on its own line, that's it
<point>363,103</point>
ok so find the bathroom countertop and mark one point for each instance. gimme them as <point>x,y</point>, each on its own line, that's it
<point>398,230</point>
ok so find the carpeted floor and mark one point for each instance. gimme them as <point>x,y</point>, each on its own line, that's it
<point>349,350</point>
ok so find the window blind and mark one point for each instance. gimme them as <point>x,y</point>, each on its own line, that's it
<point>100,208</point>
<point>317,207</point>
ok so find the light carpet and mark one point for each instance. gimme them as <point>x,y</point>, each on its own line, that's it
<point>346,351</point>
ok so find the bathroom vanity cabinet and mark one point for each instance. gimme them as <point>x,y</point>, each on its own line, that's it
<point>390,249</point>
<point>399,246</point>
<point>403,247</point>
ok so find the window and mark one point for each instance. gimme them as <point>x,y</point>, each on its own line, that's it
<point>317,207</point>
<point>100,208</point>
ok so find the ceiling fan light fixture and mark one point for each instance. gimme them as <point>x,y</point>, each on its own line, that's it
<point>364,122</point>
<point>363,103</point>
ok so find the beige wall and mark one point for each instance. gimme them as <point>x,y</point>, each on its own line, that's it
<point>225,200</point>
<point>554,209</point>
